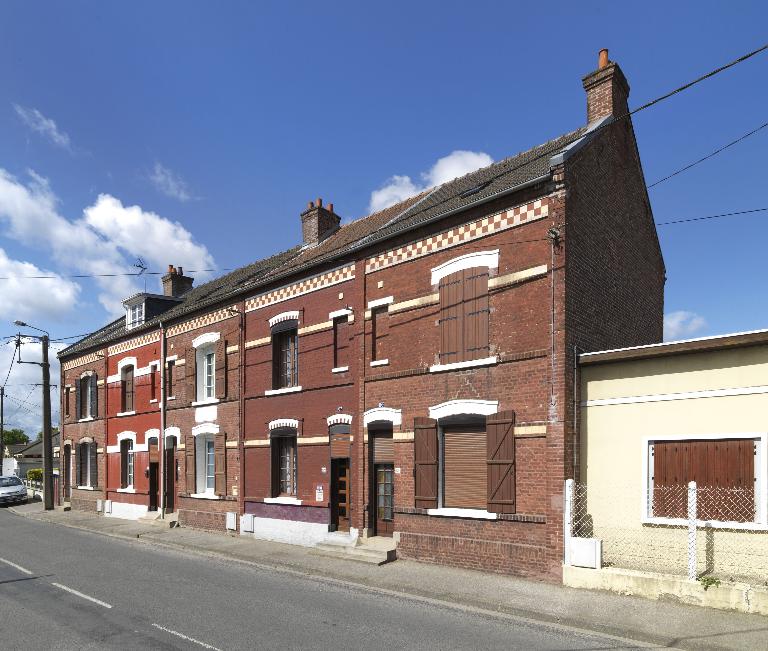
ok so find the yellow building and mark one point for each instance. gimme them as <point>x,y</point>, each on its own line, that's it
<point>654,418</point>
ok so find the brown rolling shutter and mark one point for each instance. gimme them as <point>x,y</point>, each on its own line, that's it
<point>220,464</point>
<point>465,470</point>
<point>190,375</point>
<point>476,312</point>
<point>383,449</point>
<point>500,432</point>
<point>451,317</point>
<point>92,451</point>
<point>221,368</point>
<point>341,441</point>
<point>189,464</point>
<point>425,462</point>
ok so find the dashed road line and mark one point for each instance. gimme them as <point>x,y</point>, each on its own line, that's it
<point>186,637</point>
<point>82,596</point>
<point>18,567</point>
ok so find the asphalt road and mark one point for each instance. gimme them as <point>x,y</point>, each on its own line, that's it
<point>62,588</point>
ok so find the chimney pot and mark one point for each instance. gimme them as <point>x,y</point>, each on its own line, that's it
<point>310,205</point>
<point>330,207</point>
<point>319,202</point>
<point>181,271</point>
<point>175,283</point>
<point>170,269</point>
<point>318,223</point>
<point>602,60</point>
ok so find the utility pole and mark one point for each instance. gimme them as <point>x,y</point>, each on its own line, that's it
<point>2,428</point>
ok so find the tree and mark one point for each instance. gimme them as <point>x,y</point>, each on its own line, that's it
<point>54,432</point>
<point>13,436</point>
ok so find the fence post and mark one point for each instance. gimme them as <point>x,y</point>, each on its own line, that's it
<point>692,531</point>
<point>568,520</point>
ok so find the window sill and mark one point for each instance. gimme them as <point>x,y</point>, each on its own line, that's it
<point>277,392</point>
<point>171,398</point>
<point>85,488</point>
<point>202,403</point>
<point>130,489</point>
<point>125,413</point>
<point>153,401</point>
<point>472,514</point>
<point>456,366</point>
<point>340,369</point>
<point>703,524</point>
<point>205,496</point>
<point>87,419</point>
<point>282,500</point>
<point>380,362</point>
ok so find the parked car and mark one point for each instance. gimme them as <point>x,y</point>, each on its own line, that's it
<point>12,490</point>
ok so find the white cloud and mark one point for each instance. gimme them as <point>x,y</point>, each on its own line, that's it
<point>400,187</point>
<point>170,183</point>
<point>46,127</point>
<point>681,324</point>
<point>107,239</point>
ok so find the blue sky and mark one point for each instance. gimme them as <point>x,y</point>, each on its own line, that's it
<point>193,133</point>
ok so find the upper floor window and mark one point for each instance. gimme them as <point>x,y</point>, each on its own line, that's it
<point>126,389</point>
<point>87,396</point>
<point>169,378</point>
<point>379,326</point>
<point>134,315</point>
<point>66,402</point>
<point>341,341</point>
<point>206,368</point>
<point>206,372</point>
<point>285,355</point>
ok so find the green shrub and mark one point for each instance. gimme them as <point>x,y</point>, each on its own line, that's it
<point>35,474</point>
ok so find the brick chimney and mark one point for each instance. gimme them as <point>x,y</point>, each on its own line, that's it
<point>175,283</point>
<point>318,222</point>
<point>607,90</point>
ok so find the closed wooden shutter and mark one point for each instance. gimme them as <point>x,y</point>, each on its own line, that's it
<point>451,318</point>
<point>221,368</point>
<point>123,464</point>
<point>220,464</point>
<point>383,449</point>
<point>93,452</point>
<point>379,332</point>
<point>341,441</point>
<point>476,312</point>
<point>465,470</point>
<point>78,415</point>
<point>79,464</point>
<point>341,342</point>
<point>190,375</point>
<point>113,469</point>
<point>94,381</point>
<point>500,431</point>
<point>425,462</point>
<point>189,464</point>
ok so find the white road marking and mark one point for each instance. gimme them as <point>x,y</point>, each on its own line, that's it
<point>81,595</point>
<point>186,637</point>
<point>18,567</point>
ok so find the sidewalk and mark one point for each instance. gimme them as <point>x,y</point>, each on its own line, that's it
<point>661,623</point>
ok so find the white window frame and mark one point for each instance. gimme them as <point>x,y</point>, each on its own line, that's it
<point>761,485</point>
<point>134,315</point>
<point>201,475</point>
<point>488,259</point>
<point>88,415</point>
<point>87,484</point>
<point>205,345</point>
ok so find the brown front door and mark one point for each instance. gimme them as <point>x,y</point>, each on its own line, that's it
<point>340,494</point>
<point>385,496</point>
<point>170,474</point>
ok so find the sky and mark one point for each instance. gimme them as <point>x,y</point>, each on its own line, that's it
<point>193,133</point>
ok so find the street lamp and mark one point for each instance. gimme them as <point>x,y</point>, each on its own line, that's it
<point>47,440</point>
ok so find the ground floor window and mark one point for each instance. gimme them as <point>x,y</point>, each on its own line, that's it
<point>284,463</point>
<point>126,463</point>
<point>724,472</point>
<point>464,466</point>
<point>87,468</point>
<point>205,452</point>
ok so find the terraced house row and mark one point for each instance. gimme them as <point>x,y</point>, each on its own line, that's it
<point>408,374</point>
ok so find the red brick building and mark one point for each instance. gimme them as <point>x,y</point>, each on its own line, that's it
<point>408,374</point>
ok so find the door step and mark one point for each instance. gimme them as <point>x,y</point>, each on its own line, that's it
<point>153,517</point>
<point>358,553</point>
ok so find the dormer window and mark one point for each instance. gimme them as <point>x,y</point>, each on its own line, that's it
<point>134,315</point>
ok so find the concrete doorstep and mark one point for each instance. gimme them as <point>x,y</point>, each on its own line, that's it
<point>658,623</point>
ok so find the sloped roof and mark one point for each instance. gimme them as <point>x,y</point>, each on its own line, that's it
<point>462,192</point>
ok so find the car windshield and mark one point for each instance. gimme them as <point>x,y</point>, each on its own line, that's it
<point>9,481</point>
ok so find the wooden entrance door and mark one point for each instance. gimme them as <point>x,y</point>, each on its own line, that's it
<point>340,494</point>
<point>170,474</point>
<point>385,499</point>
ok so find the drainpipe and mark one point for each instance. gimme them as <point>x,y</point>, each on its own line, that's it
<point>161,442</point>
<point>241,400</point>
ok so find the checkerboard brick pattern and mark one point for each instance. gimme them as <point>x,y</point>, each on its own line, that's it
<point>138,342</point>
<point>203,320</point>
<point>306,286</point>
<point>81,361</point>
<point>503,220</point>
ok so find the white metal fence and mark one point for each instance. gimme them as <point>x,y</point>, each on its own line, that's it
<point>689,531</point>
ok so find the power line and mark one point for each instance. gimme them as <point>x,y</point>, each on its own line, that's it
<point>714,153</point>
<point>699,219</point>
<point>113,275</point>
<point>10,367</point>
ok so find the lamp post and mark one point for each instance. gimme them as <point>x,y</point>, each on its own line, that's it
<point>47,439</point>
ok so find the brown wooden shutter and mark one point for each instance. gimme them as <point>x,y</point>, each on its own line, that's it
<point>189,464</point>
<point>451,318</point>
<point>465,470</point>
<point>190,374</point>
<point>380,332</point>
<point>78,416</point>
<point>94,381</point>
<point>383,449</point>
<point>500,432</point>
<point>221,368</point>
<point>476,312</point>
<point>425,462</point>
<point>220,464</point>
<point>341,342</point>
<point>274,466</point>
<point>124,464</point>
<point>92,451</point>
<point>113,470</point>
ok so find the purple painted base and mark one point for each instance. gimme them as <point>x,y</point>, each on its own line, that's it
<point>314,514</point>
